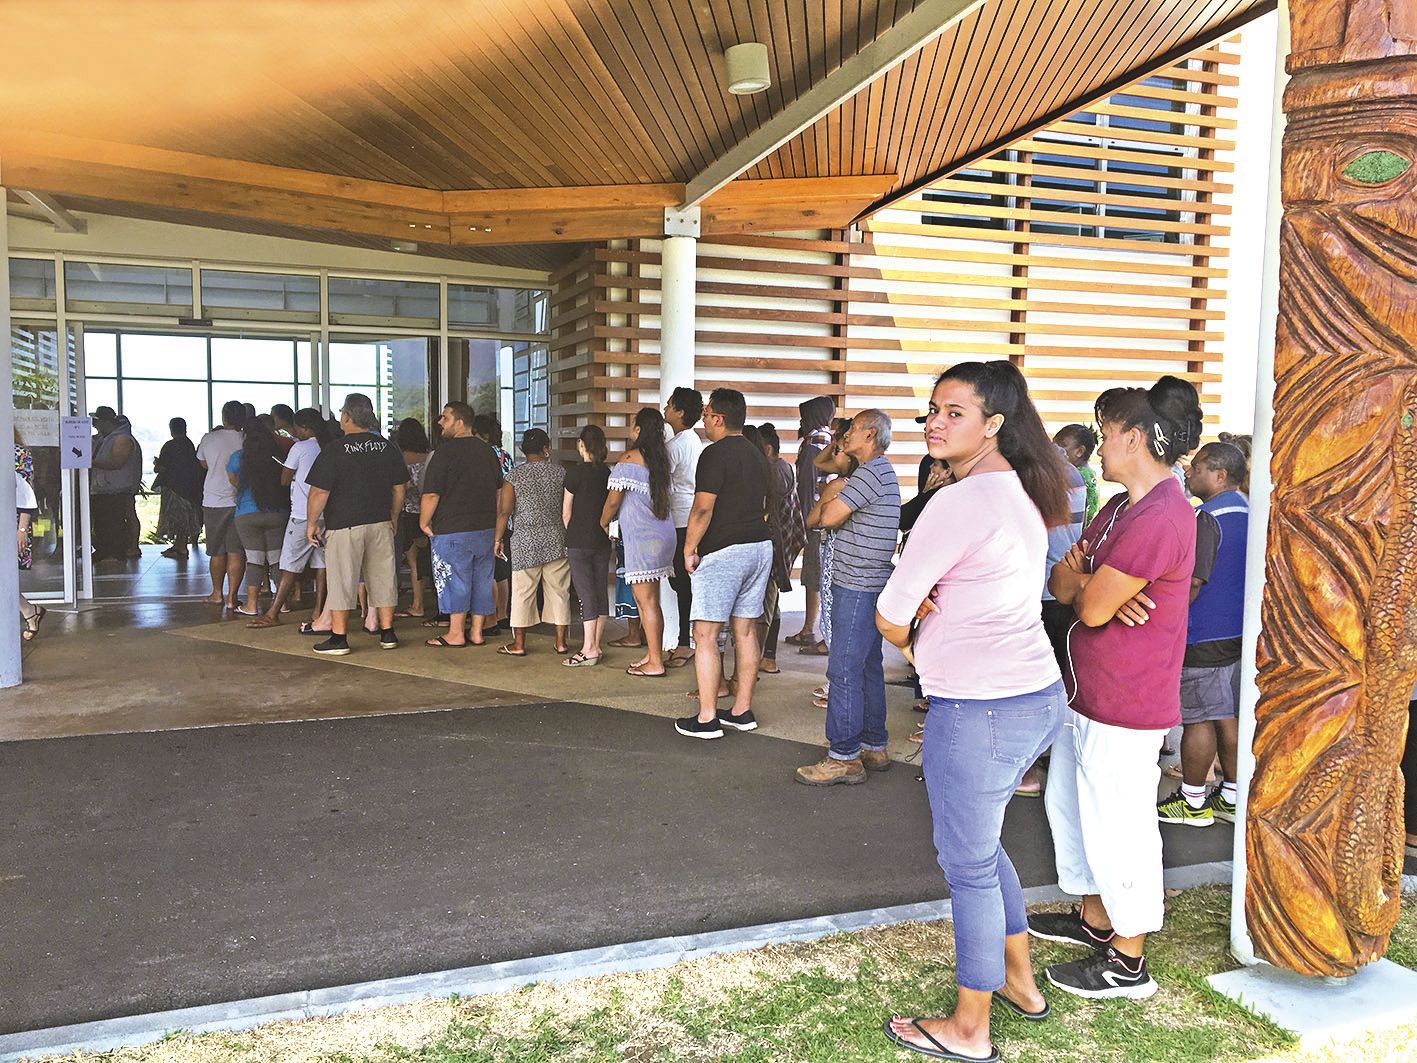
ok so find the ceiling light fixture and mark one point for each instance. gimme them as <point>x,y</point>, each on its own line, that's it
<point>747,68</point>
<point>403,245</point>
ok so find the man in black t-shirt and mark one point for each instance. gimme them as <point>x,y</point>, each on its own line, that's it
<point>728,552</point>
<point>459,515</point>
<point>357,485</point>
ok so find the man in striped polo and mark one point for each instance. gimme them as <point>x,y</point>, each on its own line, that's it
<point>864,520</point>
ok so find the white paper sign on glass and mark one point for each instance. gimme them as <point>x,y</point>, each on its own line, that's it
<point>37,428</point>
<point>75,442</point>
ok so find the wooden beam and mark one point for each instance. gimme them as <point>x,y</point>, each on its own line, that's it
<point>57,165</point>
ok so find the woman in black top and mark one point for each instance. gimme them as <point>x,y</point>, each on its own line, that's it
<point>179,479</point>
<point>587,545</point>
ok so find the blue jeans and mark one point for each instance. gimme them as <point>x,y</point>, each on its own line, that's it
<point>975,755</point>
<point>856,692</point>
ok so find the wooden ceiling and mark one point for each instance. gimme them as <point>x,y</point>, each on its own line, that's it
<point>442,115</point>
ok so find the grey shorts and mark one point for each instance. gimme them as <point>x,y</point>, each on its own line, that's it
<point>261,535</point>
<point>222,537</point>
<point>732,582</point>
<point>365,550</point>
<point>297,553</point>
<point>1210,693</point>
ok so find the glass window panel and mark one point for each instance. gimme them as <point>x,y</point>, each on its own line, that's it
<point>101,353</point>
<point>302,359</point>
<point>176,357</point>
<point>150,404</point>
<point>474,306</point>
<point>261,396</point>
<point>101,393</point>
<point>355,363</point>
<point>412,372</point>
<point>247,358</point>
<point>164,290</point>
<point>357,300</point>
<point>34,361</point>
<point>272,296</point>
<point>32,283</point>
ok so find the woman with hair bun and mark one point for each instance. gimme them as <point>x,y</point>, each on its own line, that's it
<point>1128,580</point>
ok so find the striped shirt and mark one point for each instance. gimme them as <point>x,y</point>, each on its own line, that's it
<point>865,544</point>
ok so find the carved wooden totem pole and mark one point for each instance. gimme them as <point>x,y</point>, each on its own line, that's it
<point>1338,645</point>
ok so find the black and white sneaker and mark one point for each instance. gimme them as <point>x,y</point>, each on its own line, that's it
<point>690,727</point>
<point>742,722</point>
<point>1068,927</point>
<point>334,646</point>
<point>1104,975</point>
<point>388,640</point>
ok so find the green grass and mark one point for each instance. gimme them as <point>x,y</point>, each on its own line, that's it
<point>822,1000</point>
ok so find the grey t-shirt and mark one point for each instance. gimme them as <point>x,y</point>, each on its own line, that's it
<point>863,547</point>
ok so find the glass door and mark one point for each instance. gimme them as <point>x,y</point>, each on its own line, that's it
<point>44,376</point>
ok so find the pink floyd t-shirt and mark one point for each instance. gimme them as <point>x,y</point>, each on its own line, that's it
<point>1131,676</point>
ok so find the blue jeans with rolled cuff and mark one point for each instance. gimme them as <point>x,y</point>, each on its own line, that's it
<point>974,758</point>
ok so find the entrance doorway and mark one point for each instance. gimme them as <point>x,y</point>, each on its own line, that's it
<point>150,377</point>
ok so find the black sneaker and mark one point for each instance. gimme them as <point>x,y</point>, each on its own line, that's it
<point>690,727</point>
<point>1068,927</point>
<point>1102,975</point>
<point>335,646</point>
<point>388,640</point>
<point>743,722</point>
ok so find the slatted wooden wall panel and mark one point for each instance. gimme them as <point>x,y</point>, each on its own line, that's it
<point>1081,302</point>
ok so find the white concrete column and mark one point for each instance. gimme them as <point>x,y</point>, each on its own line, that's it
<point>9,569</point>
<point>678,264</point>
<point>1260,486</point>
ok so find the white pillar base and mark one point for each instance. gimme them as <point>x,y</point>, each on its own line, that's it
<point>1381,996</point>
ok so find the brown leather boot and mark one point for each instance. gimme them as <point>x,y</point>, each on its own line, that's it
<point>875,760</point>
<point>829,772</point>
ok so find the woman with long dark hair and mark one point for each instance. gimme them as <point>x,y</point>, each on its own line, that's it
<point>587,545</point>
<point>411,438</point>
<point>639,498</point>
<point>312,431</point>
<point>262,507</point>
<point>1128,580</point>
<point>970,575</point>
<point>814,431</point>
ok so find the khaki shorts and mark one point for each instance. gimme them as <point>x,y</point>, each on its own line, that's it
<point>555,579</point>
<point>365,550</point>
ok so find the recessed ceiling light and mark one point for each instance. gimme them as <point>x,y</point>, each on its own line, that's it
<point>747,68</point>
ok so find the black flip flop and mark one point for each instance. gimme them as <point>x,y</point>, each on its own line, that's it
<point>313,632</point>
<point>1017,1009</point>
<point>440,643</point>
<point>939,1051</point>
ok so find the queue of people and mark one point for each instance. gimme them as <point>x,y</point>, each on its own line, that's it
<point>1031,609</point>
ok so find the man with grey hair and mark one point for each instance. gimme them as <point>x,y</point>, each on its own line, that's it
<point>357,485</point>
<point>864,518</point>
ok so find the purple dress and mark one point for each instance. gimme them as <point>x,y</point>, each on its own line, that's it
<point>649,540</point>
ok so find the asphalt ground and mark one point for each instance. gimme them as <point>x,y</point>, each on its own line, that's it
<point>158,870</point>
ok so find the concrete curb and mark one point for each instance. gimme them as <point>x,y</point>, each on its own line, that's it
<point>107,1034</point>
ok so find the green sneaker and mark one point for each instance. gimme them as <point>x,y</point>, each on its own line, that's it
<point>1175,810</point>
<point>1222,809</point>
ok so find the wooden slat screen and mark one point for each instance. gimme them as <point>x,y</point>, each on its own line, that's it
<point>1092,254</point>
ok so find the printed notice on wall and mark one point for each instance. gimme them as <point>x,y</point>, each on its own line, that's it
<point>37,428</point>
<point>75,442</point>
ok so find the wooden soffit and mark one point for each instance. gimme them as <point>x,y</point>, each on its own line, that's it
<point>181,181</point>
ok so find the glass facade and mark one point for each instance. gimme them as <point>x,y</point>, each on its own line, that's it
<point>160,340</point>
